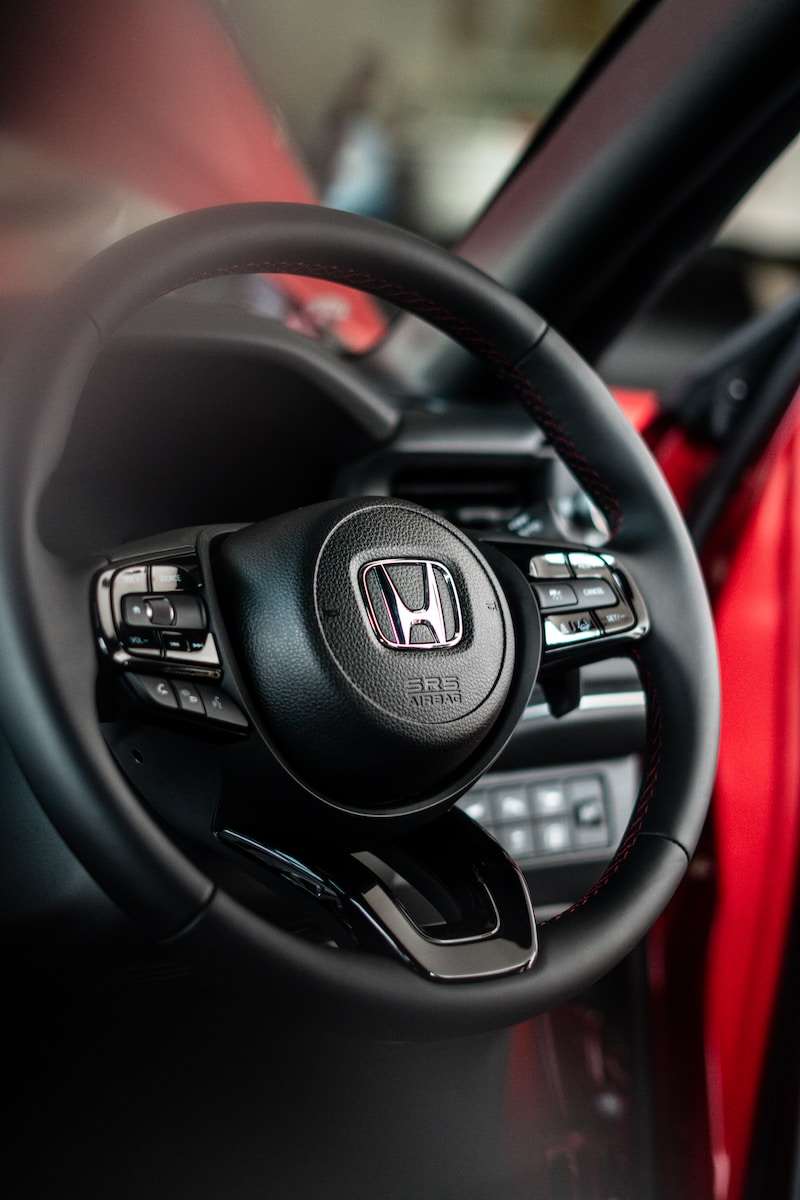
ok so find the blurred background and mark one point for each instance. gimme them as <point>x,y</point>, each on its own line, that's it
<point>454,88</point>
<point>414,111</point>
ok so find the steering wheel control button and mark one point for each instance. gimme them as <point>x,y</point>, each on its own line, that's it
<point>189,699</point>
<point>141,641</point>
<point>155,611</point>
<point>174,642</point>
<point>132,579</point>
<point>549,566</point>
<point>170,577</point>
<point>153,691</point>
<point>205,701</point>
<point>599,600</point>
<point>220,708</point>
<point>567,630</point>
<point>135,610</point>
<point>189,612</point>
<point>583,563</point>
<point>596,593</point>
<point>161,611</point>
<point>616,620</point>
<point>196,643</point>
<point>198,650</point>
<point>556,595</point>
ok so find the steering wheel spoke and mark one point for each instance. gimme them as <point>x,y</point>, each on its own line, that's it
<point>446,901</point>
<point>590,606</point>
<point>157,634</point>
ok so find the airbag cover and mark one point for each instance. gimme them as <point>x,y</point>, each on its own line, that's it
<point>376,643</point>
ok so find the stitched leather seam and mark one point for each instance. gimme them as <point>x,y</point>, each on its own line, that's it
<point>649,777</point>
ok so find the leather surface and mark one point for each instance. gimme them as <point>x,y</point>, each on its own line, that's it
<point>49,650</point>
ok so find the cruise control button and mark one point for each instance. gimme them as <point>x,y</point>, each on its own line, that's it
<point>189,698</point>
<point>596,593</point>
<point>219,706</point>
<point>556,595</point>
<point>549,566</point>
<point>583,563</point>
<point>616,620</point>
<point>569,628</point>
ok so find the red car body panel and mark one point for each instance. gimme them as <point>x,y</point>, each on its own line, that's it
<point>756,806</point>
<point>753,573</point>
<point>163,108</point>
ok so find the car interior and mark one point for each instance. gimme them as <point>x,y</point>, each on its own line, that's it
<point>399,593</point>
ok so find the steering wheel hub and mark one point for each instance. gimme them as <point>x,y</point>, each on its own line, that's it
<point>376,643</point>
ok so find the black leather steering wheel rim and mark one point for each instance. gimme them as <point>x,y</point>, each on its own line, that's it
<point>48,704</point>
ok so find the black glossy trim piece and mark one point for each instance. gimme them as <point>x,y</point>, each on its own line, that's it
<point>687,97</point>
<point>772,393</point>
<point>481,928</point>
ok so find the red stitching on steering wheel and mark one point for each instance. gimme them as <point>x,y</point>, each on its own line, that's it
<point>649,777</point>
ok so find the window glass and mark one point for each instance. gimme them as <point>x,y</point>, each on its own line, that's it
<point>751,267</point>
<point>113,115</point>
<point>415,110</point>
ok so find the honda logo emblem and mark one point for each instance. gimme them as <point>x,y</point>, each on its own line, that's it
<point>412,603</point>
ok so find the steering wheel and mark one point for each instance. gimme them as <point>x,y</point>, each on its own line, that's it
<point>340,675</point>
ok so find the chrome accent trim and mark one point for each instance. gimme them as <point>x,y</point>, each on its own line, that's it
<point>403,619</point>
<point>594,702</point>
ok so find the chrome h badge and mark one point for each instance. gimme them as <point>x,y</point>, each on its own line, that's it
<point>412,603</point>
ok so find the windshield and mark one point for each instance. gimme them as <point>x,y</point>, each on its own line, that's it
<point>416,110</point>
<point>114,115</point>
